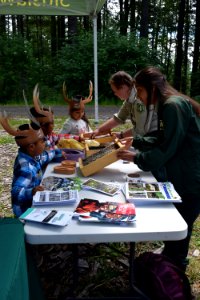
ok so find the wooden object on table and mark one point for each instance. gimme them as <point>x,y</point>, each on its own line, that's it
<point>68,163</point>
<point>67,167</point>
<point>97,161</point>
<point>103,140</point>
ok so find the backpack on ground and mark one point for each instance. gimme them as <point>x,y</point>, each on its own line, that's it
<point>160,279</point>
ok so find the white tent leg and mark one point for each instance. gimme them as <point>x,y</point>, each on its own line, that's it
<point>95,68</point>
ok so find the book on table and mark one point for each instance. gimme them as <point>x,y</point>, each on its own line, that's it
<point>102,187</point>
<point>55,197</point>
<point>91,210</point>
<point>54,183</point>
<point>137,190</point>
<point>47,216</point>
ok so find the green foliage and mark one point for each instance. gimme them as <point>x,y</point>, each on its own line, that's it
<point>75,62</point>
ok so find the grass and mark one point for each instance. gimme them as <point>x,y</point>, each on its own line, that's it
<point>193,270</point>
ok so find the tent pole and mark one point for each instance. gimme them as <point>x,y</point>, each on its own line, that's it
<point>95,68</point>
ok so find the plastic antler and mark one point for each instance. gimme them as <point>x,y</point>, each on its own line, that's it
<point>31,117</point>
<point>65,96</point>
<point>36,102</point>
<point>90,93</point>
<point>12,131</point>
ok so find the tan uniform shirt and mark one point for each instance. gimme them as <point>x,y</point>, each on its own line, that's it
<point>135,110</point>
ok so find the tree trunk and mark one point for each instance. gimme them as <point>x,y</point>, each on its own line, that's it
<point>72,28</point>
<point>195,82</point>
<point>124,13</point>
<point>144,19</point>
<point>179,47</point>
<point>132,16</point>
<point>53,36</point>
<point>185,53</point>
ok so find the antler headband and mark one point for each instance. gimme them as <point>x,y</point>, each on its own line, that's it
<point>84,101</point>
<point>47,115</point>
<point>29,136</point>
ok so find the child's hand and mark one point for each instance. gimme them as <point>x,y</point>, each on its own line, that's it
<point>37,189</point>
<point>64,154</point>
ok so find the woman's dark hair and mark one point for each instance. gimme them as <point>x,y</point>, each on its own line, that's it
<point>121,78</point>
<point>155,84</point>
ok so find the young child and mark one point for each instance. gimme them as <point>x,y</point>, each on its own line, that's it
<point>77,123</point>
<point>27,173</point>
<point>45,117</point>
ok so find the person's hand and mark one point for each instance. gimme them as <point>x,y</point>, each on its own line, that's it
<point>127,142</point>
<point>126,155</point>
<point>95,133</point>
<point>37,189</point>
<point>64,154</point>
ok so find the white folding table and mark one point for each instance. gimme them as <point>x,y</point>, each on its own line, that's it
<point>154,221</point>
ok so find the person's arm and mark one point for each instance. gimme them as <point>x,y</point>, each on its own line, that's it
<point>195,105</point>
<point>66,127</point>
<point>105,127</point>
<point>22,186</point>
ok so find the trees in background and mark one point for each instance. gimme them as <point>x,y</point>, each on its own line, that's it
<point>51,49</point>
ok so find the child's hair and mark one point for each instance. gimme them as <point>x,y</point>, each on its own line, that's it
<point>38,115</point>
<point>78,106</point>
<point>78,102</point>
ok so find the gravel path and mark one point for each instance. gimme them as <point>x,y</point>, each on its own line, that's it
<point>104,112</point>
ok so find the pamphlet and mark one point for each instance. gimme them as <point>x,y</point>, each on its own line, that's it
<point>137,190</point>
<point>99,186</point>
<point>54,183</point>
<point>55,197</point>
<point>47,216</point>
<point>90,210</point>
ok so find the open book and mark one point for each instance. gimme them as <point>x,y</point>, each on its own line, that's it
<point>54,183</point>
<point>136,190</point>
<point>90,210</point>
<point>47,216</point>
<point>55,197</point>
<point>102,187</point>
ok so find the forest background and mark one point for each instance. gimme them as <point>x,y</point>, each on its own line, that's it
<point>131,35</point>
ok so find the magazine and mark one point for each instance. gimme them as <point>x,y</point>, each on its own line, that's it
<point>99,186</point>
<point>47,216</point>
<point>54,183</point>
<point>55,197</point>
<point>137,190</point>
<point>90,210</point>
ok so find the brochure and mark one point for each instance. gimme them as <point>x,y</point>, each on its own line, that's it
<point>55,197</point>
<point>137,190</point>
<point>47,216</point>
<point>54,183</point>
<point>90,210</point>
<point>102,187</point>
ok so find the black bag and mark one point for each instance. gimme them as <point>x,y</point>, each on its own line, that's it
<point>160,279</point>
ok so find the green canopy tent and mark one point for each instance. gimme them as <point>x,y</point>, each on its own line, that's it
<point>60,7</point>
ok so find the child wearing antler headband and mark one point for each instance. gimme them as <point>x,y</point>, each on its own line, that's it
<point>27,173</point>
<point>77,123</point>
<point>45,117</point>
